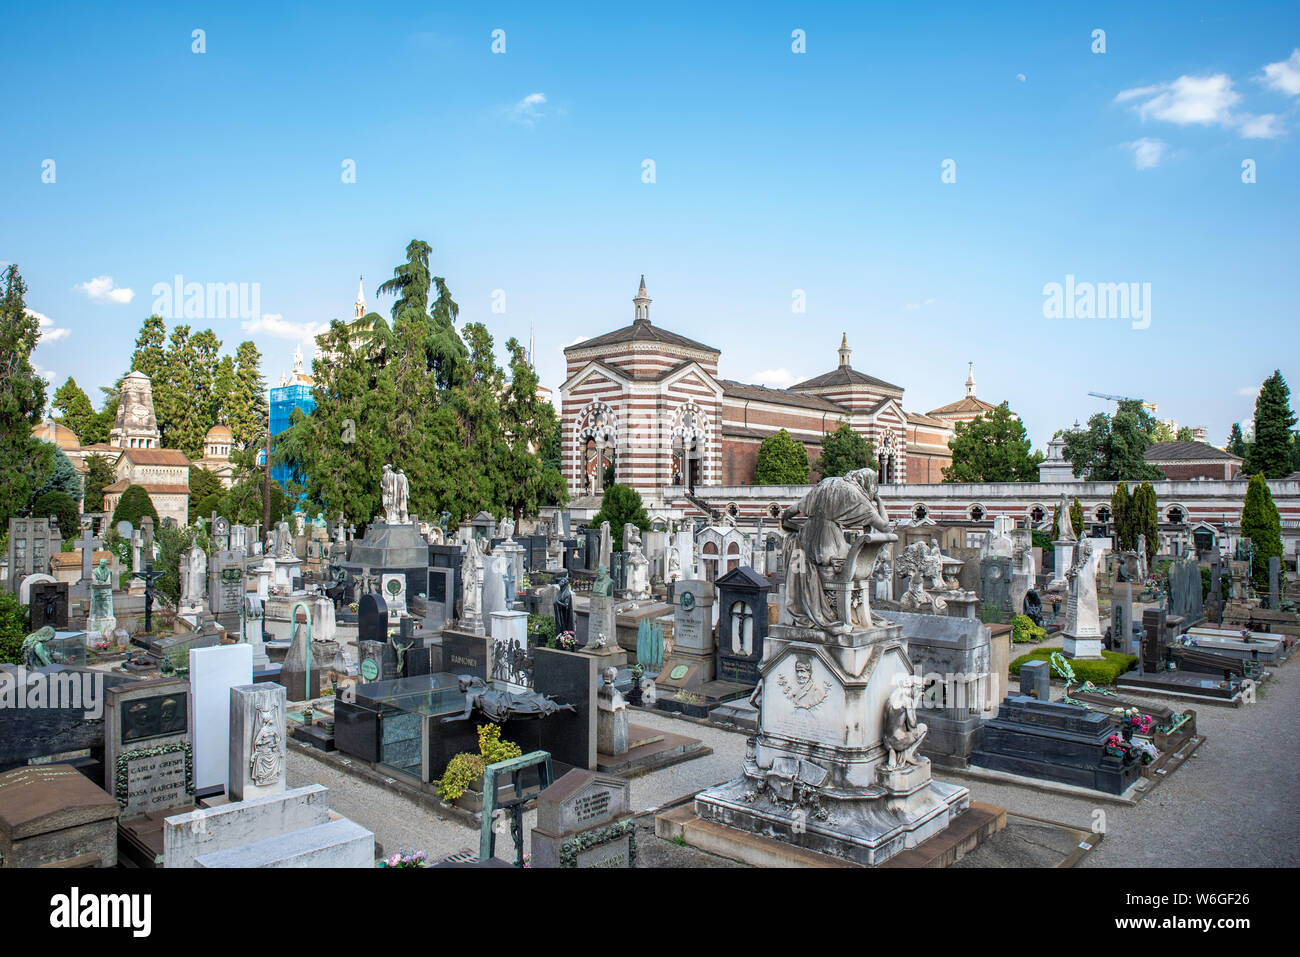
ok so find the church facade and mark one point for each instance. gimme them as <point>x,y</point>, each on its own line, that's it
<point>647,407</point>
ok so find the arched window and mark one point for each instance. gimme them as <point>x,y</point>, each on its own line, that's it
<point>977,513</point>
<point>1037,514</point>
<point>1176,515</point>
<point>1102,513</point>
<point>919,512</point>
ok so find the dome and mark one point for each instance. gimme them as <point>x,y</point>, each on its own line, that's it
<point>59,435</point>
<point>219,433</point>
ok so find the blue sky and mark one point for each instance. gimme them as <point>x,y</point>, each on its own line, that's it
<point>775,171</point>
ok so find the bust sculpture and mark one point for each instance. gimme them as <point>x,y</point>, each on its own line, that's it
<point>603,587</point>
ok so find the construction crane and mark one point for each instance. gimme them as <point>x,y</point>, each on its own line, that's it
<point>1123,398</point>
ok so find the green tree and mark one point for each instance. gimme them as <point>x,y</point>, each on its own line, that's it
<point>99,473</point>
<point>1112,447</point>
<point>1270,453</point>
<point>1185,434</point>
<point>1236,441</point>
<point>1121,517</point>
<point>22,397</point>
<point>203,485</point>
<point>13,629</point>
<point>242,503</point>
<point>621,505</point>
<point>993,447</point>
<point>150,355</point>
<point>1145,519</point>
<point>62,477</point>
<point>134,505</point>
<point>246,408</point>
<point>844,451</point>
<point>1163,433</point>
<point>528,423</point>
<point>347,435</point>
<point>1261,523</point>
<point>60,505</point>
<point>781,461</point>
<point>78,414</point>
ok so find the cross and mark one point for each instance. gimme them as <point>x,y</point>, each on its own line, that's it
<point>149,576</point>
<point>88,542</point>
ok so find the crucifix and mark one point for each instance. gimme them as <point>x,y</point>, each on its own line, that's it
<point>149,576</point>
<point>742,634</point>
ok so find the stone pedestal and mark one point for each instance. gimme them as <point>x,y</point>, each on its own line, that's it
<point>818,775</point>
<point>257,740</point>
<point>1064,559</point>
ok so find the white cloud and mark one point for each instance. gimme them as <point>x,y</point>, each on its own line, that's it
<point>530,109</point>
<point>1020,77</point>
<point>574,342</point>
<point>48,331</point>
<point>1284,76</point>
<point>274,324</point>
<point>1203,100</point>
<point>1147,153</point>
<point>775,378</point>
<point>1266,126</point>
<point>913,306</point>
<point>101,289</point>
<point>1249,390</point>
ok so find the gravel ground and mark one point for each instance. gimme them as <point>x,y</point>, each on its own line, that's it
<point>1231,804</point>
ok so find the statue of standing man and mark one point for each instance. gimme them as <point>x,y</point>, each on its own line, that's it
<point>401,492</point>
<point>388,494</point>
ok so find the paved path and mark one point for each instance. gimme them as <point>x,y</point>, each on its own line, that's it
<point>1233,803</point>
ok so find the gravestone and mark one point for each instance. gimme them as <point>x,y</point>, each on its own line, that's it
<point>299,673</point>
<point>511,662</point>
<point>31,543</point>
<point>52,815</point>
<point>372,618</point>
<point>213,672</point>
<point>1155,641</point>
<point>257,740</point>
<point>692,661</point>
<point>995,590</point>
<point>148,748</point>
<point>1274,591</point>
<point>49,606</point>
<point>378,661</point>
<point>742,624</point>
<point>394,592</point>
<point>611,716</point>
<point>1121,618</point>
<point>465,653</point>
<point>1036,680</point>
<point>584,821</point>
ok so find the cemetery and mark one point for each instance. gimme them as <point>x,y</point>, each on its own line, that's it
<point>478,571</point>
<point>874,688</point>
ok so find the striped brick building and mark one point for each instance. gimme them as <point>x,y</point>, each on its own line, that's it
<point>649,403</point>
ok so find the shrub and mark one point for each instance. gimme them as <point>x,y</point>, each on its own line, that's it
<point>492,748</point>
<point>1023,629</point>
<point>13,629</point>
<point>462,771</point>
<point>1104,672</point>
<point>133,506</point>
<point>59,505</point>
<point>543,625</point>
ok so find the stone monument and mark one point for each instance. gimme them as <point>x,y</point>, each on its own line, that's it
<point>1082,631</point>
<point>834,766</point>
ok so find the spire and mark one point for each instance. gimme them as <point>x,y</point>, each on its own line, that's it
<point>970,382</point>
<point>844,351</point>
<point>642,302</point>
<point>359,307</point>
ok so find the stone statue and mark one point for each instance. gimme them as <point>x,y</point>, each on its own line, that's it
<point>603,587</point>
<point>638,566</point>
<point>506,529</point>
<point>674,564</point>
<point>196,580</point>
<point>1081,605</point>
<point>264,764</point>
<point>1066,531</point>
<point>923,565</point>
<point>903,733</point>
<point>827,572</point>
<point>101,591</point>
<point>35,650</point>
<point>471,585</point>
<point>401,492</point>
<point>563,607</point>
<point>283,541</point>
<point>500,706</point>
<point>1142,557</point>
<point>606,555</point>
<point>1034,607</point>
<point>388,494</point>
